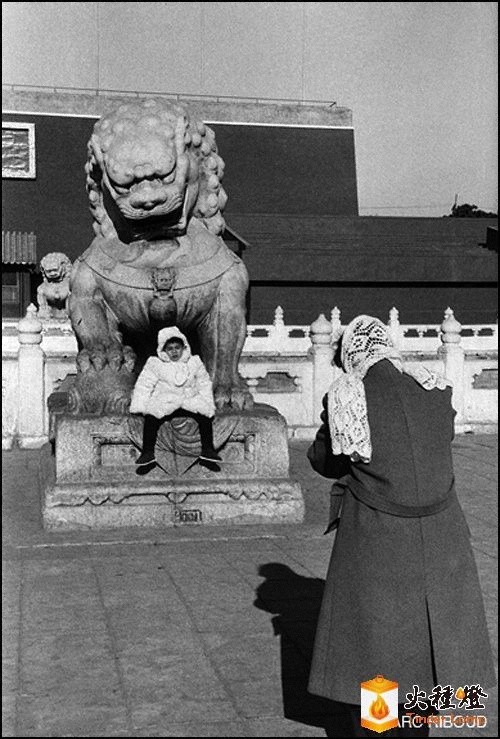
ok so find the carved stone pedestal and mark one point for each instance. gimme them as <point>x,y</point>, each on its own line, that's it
<point>96,483</point>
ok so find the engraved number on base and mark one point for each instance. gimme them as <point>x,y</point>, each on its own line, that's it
<point>188,516</point>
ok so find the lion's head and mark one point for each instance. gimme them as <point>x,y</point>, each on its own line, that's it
<point>157,164</point>
<point>55,267</point>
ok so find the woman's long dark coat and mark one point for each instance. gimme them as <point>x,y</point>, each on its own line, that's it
<point>402,595</point>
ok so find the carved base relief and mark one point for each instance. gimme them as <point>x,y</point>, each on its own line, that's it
<point>96,483</point>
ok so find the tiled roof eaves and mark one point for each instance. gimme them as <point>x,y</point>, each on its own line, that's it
<point>18,247</point>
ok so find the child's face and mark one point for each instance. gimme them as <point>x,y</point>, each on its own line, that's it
<point>174,351</point>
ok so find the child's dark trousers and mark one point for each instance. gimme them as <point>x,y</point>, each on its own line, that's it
<point>152,425</point>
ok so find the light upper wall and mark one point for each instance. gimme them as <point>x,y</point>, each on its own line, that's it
<point>53,44</point>
<point>227,49</point>
<point>150,46</point>
<point>254,49</point>
<point>348,52</point>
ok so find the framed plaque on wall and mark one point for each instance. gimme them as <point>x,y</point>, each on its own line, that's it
<point>18,150</point>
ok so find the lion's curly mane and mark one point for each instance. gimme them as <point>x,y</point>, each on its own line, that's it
<point>116,137</point>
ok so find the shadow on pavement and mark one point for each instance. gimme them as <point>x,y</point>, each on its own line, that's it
<point>295,600</point>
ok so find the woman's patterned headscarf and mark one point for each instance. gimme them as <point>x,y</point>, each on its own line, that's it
<point>365,342</point>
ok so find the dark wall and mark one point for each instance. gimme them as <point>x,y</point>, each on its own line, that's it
<point>54,205</point>
<point>354,249</point>
<point>269,169</point>
<point>302,303</point>
<point>273,169</point>
<point>280,169</point>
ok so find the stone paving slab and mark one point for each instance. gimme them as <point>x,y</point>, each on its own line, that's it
<point>195,631</point>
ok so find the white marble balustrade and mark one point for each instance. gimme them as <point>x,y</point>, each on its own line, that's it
<point>287,366</point>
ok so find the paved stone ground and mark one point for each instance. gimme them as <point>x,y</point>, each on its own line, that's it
<point>188,631</point>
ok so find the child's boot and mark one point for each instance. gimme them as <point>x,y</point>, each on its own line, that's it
<point>207,439</point>
<point>208,456</point>
<point>150,432</point>
<point>147,457</point>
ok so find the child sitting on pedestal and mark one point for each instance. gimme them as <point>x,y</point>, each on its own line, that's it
<point>172,384</point>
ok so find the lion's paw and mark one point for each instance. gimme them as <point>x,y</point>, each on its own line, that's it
<point>104,381</point>
<point>44,312</point>
<point>115,359</point>
<point>118,403</point>
<point>235,396</point>
<point>75,404</point>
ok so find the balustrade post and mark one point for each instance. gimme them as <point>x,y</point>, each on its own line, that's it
<point>394,327</point>
<point>31,383</point>
<point>453,357</point>
<point>322,352</point>
<point>336,328</point>
<point>278,332</point>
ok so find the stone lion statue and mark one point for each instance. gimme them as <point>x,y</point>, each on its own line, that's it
<point>158,259</point>
<point>53,293</point>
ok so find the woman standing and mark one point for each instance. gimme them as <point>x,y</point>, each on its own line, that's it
<point>402,596</point>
